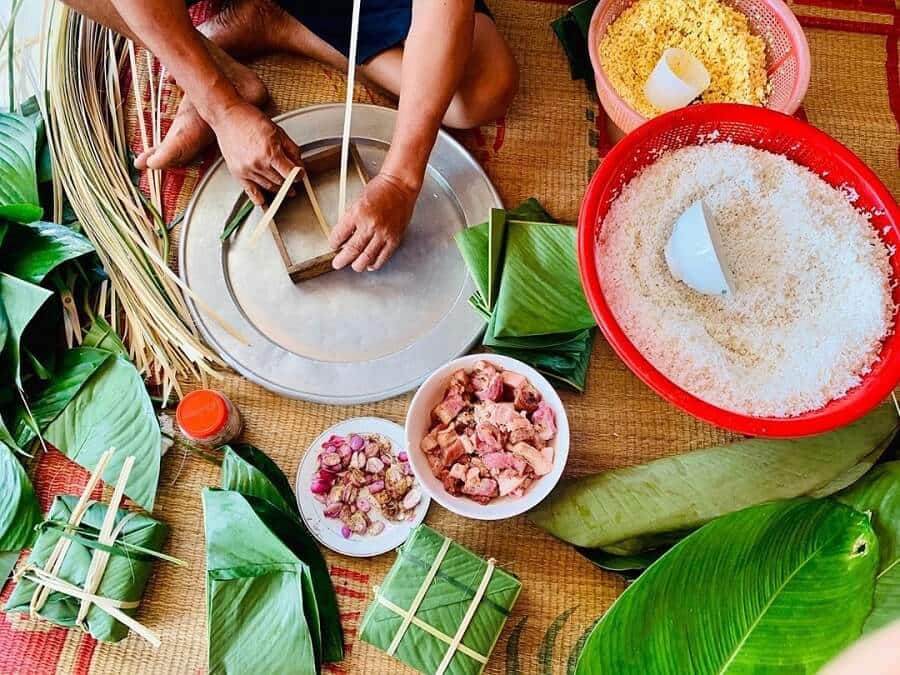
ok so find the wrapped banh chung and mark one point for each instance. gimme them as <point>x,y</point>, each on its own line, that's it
<point>122,581</point>
<point>441,608</point>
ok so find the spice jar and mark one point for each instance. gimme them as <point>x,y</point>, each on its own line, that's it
<point>208,417</point>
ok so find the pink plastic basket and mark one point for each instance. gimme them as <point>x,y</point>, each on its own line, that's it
<point>787,56</point>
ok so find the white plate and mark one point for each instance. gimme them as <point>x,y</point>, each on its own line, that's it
<point>328,530</point>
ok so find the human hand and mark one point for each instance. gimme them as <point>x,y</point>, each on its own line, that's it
<point>371,229</point>
<point>257,151</point>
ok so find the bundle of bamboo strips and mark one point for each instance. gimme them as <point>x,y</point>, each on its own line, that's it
<point>86,133</point>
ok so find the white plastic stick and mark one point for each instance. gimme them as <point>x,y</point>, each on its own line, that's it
<point>348,108</point>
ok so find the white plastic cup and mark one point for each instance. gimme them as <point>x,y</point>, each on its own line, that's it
<point>677,79</point>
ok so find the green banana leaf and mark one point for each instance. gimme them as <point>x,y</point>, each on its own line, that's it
<point>125,577</point>
<point>472,243</point>
<point>754,591</point>
<point>878,493</point>
<point>248,470</point>
<point>102,336</point>
<point>853,474</point>
<point>628,566</point>
<point>685,491</point>
<point>8,560</point>
<point>254,593</point>
<point>19,511</point>
<point>113,410</point>
<point>21,302</point>
<point>541,291</point>
<point>19,201</point>
<point>531,209</point>
<point>34,250</point>
<point>496,240</point>
<point>77,367</point>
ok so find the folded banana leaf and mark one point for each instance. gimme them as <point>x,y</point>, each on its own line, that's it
<point>539,315</point>
<point>257,590</point>
<point>251,472</point>
<point>443,605</point>
<point>126,572</point>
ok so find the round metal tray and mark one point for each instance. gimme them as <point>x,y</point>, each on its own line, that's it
<point>343,337</point>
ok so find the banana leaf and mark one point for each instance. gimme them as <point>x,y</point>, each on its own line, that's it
<point>472,243</point>
<point>256,590</point>
<point>102,336</point>
<point>112,410</point>
<point>753,591</point>
<point>77,367</point>
<point>628,566</point>
<point>35,249</point>
<point>496,241</point>
<point>443,606</point>
<point>21,302</point>
<point>248,470</point>
<point>126,573</point>
<point>685,491</point>
<point>540,292</point>
<point>878,494</point>
<point>19,512</point>
<point>19,201</point>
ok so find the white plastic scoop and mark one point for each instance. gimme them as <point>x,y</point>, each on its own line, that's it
<point>677,79</point>
<point>694,252</point>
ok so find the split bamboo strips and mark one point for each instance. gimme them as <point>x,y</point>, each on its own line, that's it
<point>86,132</point>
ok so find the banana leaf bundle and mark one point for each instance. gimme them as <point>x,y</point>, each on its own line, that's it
<point>137,540</point>
<point>265,574</point>
<point>528,290</point>
<point>441,608</point>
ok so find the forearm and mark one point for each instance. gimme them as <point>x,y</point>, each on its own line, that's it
<point>165,28</point>
<point>434,58</point>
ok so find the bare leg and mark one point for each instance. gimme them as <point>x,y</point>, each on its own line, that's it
<point>189,133</point>
<point>252,27</point>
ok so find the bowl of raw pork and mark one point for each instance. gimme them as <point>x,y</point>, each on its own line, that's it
<point>487,436</point>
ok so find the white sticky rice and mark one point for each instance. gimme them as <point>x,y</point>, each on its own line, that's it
<point>813,281</point>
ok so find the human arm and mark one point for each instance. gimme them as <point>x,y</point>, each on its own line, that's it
<point>434,58</point>
<point>258,152</point>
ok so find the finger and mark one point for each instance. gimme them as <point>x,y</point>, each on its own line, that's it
<point>263,181</point>
<point>283,166</point>
<point>351,250</point>
<point>342,231</point>
<point>370,254</point>
<point>140,162</point>
<point>384,256</point>
<point>254,193</point>
<point>292,150</point>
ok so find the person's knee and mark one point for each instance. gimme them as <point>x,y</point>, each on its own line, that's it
<point>487,98</point>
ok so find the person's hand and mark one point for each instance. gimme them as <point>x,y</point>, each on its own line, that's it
<point>371,229</point>
<point>257,151</point>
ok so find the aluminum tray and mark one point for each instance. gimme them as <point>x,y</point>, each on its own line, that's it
<point>343,337</point>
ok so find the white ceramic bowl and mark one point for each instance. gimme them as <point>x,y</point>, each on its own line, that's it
<point>418,421</point>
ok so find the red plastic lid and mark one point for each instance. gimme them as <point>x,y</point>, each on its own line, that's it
<point>202,413</point>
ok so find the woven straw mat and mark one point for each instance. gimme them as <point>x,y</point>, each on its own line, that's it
<point>547,147</point>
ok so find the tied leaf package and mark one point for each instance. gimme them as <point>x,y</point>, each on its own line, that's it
<point>441,608</point>
<point>528,290</point>
<point>136,540</point>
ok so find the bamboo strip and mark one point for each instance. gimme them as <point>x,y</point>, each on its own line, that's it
<point>269,215</point>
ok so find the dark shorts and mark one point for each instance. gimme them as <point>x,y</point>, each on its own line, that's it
<point>382,23</point>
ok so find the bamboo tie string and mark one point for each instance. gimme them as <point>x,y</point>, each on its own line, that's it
<point>348,107</point>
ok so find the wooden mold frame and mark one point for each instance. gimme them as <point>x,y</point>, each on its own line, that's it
<point>316,162</point>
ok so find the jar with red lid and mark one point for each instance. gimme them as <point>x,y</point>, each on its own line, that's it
<point>208,418</point>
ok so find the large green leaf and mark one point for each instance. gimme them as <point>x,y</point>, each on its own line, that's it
<point>473,246</point>
<point>113,410</point>
<point>685,491</point>
<point>878,493</point>
<point>19,511</point>
<point>540,292</point>
<point>248,470</point>
<point>21,302</point>
<point>77,367</point>
<point>254,593</point>
<point>496,241</point>
<point>34,250</point>
<point>780,587</point>
<point>19,199</point>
